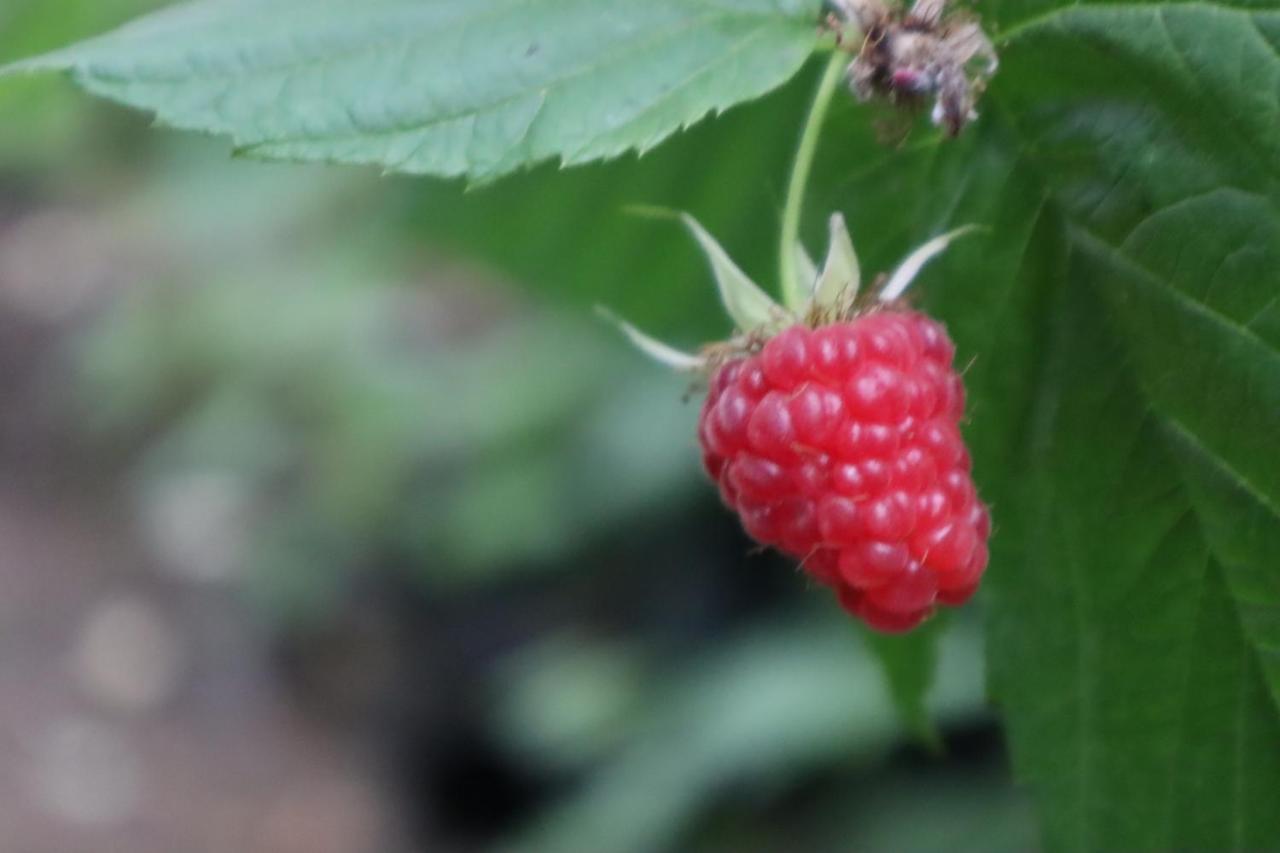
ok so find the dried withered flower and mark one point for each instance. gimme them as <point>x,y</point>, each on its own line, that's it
<point>909,55</point>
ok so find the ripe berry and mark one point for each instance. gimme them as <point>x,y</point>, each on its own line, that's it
<point>848,457</point>
<point>831,426</point>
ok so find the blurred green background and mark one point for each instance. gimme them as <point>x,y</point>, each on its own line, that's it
<point>330,519</point>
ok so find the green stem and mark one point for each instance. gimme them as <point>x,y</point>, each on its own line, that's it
<point>793,290</point>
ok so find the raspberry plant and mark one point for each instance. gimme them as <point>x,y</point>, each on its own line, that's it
<point>1121,313</point>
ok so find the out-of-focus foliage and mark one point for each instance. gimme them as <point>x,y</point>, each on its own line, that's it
<point>300,411</point>
<point>458,428</point>
<point>48,127</point>
<point>746,716</point>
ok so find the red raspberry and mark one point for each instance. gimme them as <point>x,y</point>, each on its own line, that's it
<point>840,446</point>
<point>837,439</point>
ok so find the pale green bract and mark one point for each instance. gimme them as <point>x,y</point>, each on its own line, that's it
<point>444,87</point>
<point>841,273</point>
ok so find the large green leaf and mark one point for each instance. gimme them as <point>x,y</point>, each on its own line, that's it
<point>1135,586</point>
<point>451,87</point>
<point>1114,649</point>
<point>1123,322</point>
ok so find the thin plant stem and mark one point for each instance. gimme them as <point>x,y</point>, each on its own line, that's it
<point>793,290</point>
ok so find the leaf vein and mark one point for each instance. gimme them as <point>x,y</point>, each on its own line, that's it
<point>1187,302</point>
<point>542,89</point>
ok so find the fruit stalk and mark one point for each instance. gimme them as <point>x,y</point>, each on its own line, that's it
<point>793,289</point>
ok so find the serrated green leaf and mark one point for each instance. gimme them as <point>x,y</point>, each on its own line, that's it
<point>451,87</point>
<point>1100,632</point>
<point>841,275</point>
<point>1119,332</point>
<point>1135,595</point>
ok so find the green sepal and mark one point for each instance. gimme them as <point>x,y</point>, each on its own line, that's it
<point>841,274</point>
<point>658,351</point>
<point>910,268</point>
<point>748,306</point>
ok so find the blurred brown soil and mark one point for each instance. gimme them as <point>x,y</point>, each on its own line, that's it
<point>139,711</point>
